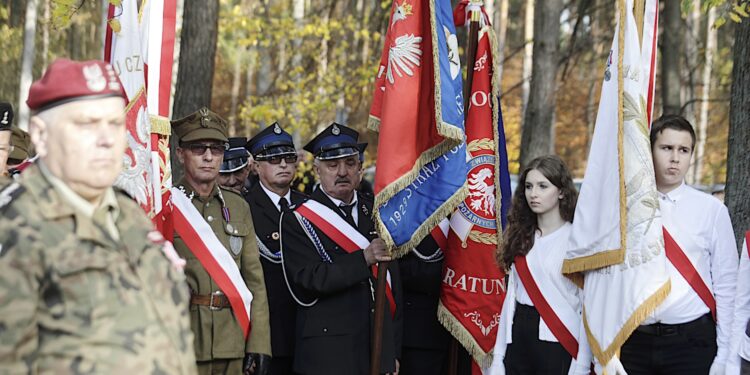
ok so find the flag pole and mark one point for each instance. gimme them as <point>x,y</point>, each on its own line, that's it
<point>377,337</point>
<point>475,14</point>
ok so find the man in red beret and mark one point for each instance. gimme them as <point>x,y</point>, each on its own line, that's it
<point>85,282</point>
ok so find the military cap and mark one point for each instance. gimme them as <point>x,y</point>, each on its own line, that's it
<point>236,157</point>
<point>201,124</point>
<point>6,116</point>
<point>335,142</point>
<point>66,81</point>
<point>21,142</point>
<point>271,142</point>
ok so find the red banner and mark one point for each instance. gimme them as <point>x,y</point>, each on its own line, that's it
<point>473,286</point>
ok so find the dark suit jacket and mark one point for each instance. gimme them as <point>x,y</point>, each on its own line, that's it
<point>334,334</point>
<point>421,285</point>
<point>282,307</point>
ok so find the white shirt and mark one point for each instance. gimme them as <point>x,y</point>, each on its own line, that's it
<point>740,344</point>
<point>275,198</point>
<point>339,203</point>
<point>548,253</point>
<point>703,225</point>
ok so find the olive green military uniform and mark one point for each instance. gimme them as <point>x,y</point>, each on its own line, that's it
<point>86,292</point>
<point>217,333</point>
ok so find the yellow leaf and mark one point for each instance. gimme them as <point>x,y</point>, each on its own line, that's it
<point>740,9</point>
<point>735,17</point>
<point>115,25</point>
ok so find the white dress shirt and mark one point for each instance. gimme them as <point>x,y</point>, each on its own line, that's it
<point>275,198</point>
<point>740,345</point>
<point>562,294</point>
<point>700,224</point>
<point>339,203</point>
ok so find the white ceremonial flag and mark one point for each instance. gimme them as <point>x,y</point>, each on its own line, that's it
<point>616,240</point>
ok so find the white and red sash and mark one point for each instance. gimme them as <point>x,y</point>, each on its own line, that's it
<point>343,234</point>
<point>686,268</point>
<point>548,314</point>
<point>215,258</point>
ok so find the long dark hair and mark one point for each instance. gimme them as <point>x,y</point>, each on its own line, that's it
<point>518,238</point>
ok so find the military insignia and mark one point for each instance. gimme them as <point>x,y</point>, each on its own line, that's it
<point>276,129</point>
<point>230,228</point>
<point>275,236</point>
<point>365,210</point>
<point>335,130</point>
<point>204,117</point>
<point>235,245</point>
<point>95,80</point>
<point>5,121</point>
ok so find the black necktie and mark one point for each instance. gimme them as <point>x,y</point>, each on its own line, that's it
<point>347,210</point>
<point>283,203</point>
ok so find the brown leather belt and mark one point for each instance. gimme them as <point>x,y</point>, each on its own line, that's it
<point>215,301</point>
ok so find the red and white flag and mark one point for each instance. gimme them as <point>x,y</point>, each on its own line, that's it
<point>616,240</point>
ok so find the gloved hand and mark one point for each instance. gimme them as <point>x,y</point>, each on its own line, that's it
<point>716,369</point>
<point>614,367</point>
<point>256,364</point>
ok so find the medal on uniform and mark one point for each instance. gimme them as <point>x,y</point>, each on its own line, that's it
<point>235,244</point>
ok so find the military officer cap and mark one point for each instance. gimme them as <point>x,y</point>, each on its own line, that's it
<point>201,124</point>
<point>272,142</point>
<point>6,116</point>
<point>335,142</point>
<point>65,81</point>
<point>236,157</point>
<point>21,142</point>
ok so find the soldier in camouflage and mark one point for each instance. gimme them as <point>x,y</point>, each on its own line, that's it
<point>86,284</point>
<point>220,346</point>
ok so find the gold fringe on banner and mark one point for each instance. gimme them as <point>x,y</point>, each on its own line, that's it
<point>639,315</point>
<point>462,335</point>
<point>160,125</point>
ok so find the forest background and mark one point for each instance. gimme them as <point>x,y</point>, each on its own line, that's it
<point>306,63</point>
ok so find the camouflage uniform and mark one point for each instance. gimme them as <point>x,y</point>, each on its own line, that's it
<point>74,299</point>
<point>217,334</point>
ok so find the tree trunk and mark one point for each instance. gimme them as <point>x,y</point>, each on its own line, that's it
<point>501,25</point>
<point>236,78</point>
<point>689,88</point>
<point>671,57</point>
<point>17,10</point>
<point>197,56</point>
<point>737,196</point>
<point>705,95</point>
<point>27,63</point>
<point>528,54</point>
<point>45,35</point>
<point>538,124</point>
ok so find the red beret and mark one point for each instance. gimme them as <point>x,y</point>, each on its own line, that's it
<point>66,80</point>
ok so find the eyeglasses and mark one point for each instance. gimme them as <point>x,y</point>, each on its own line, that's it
<point>275,160</point>
<point>217,149</point>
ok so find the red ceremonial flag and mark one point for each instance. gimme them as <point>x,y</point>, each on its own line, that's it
<point>473,287</point>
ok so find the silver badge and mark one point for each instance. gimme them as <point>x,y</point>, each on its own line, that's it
<point>235,244</point>
<point>365,210</point>
<point>335,130</point>
<point>230,228</point>
<point>276,128</point>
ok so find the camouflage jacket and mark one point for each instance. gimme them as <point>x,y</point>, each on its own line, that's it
<point>217,334</point>
<point>73,300</point>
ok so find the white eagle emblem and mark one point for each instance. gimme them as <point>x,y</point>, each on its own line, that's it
<point>94,75</point>
<point>481,193</point>
<point>404,56</point>
<point>453,56</point>
<point>402,11</point>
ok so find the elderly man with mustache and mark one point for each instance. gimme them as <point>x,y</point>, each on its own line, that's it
<point>328,254</point>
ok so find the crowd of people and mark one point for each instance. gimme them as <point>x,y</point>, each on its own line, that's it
<point>87,285</point>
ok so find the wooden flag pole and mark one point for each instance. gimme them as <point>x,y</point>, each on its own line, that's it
<point>475,15</point>
<point>377,335</point>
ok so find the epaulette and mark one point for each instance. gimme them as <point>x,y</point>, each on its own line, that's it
<point>10,192</point>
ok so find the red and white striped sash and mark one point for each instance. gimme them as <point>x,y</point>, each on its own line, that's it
<point>215,258</point>
<point>343,234</point>
<point>687,269</point>
<point>555,324</point>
